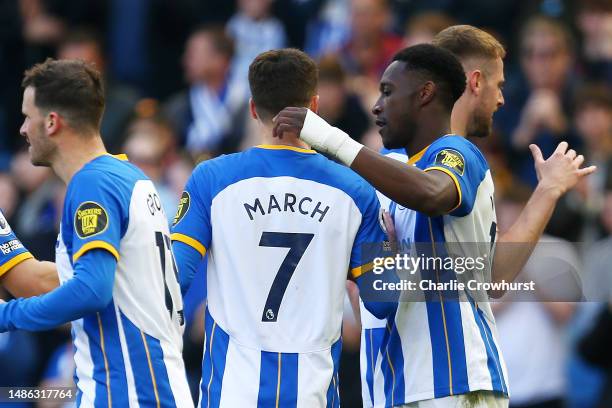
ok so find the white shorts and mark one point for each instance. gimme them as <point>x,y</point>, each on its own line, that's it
<point>476,399</point>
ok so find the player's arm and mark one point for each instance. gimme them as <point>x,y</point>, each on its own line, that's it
<point>30,277</point>
<point>20,273</point>
<point>191,228</point>
<point>89,291</point>
<point>429,192</point>
<point>556,175</point>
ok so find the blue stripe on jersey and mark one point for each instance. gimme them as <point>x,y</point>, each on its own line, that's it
<point>395,354</point>
<point>373,346</point>
<point>213,363</point>
<point>114,355</point>
<point>156,354</point>
<point>278,380</point>
<point>105,349</point>
<point>150,376</point>
<point>333,394</point>
<point>443,314</point>
<point>493,361</point>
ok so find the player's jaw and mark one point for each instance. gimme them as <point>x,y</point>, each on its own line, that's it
<point>40,146</point>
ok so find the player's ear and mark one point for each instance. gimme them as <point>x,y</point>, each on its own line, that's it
<point>53,123</point>
<point>474,81</point>
<point>427,93</point>
<point>314,104</point>
<point>252,109</point>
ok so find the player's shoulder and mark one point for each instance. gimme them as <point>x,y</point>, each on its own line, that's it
<point>106,175</point>
<point>457,148</point>
<point>333,174</point>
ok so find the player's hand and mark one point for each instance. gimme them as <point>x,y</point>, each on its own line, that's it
<point>389,226</point>
<point>289,120</point>
<point>561,171</point>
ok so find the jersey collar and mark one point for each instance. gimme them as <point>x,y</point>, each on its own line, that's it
<point>285,147</point>
<point>413,159</point>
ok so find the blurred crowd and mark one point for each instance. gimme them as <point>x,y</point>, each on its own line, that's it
<point>177,93</point>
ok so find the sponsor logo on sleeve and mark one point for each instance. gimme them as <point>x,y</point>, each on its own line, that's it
<point>452,159</point>
<point>90,219</point>
<point>5,228</point>
<point>183,207</point>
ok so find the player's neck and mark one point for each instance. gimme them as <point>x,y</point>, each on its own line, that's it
<point>428,131</point>
<point>267,138</point>
<point>459,118</point>
<point>75,152</point>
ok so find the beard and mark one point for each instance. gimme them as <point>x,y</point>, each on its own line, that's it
<point>480,125</point>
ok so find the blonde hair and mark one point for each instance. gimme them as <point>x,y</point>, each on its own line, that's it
<point>466,41</point>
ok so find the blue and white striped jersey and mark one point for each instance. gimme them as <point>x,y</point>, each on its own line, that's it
<point>130,353</point>
<point>440,347</point>
<point>282,227</point>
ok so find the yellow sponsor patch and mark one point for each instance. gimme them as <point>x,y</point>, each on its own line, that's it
<point>90,219</point>
<point>183,207</point>
<point>452,159</point>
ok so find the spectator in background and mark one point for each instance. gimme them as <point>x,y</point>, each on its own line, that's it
<point>531,325</point>
<point>40,209</point>
<point>254,30</point>
<point>204,116</point>
<point>595,23</point>
<point>8,197</point>
<point>370,46</point>
<point>577,215</point>
<point>337,105</point>
<point>537,111</point>
<point>423,27</point>
<point>149,145</point>
<point>120,99</point>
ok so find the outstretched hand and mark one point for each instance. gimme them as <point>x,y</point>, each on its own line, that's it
<point>562,170</point>
<point>289,120</point>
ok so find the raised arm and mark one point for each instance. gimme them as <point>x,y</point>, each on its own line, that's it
<point>556,175</point>
<point>430,192</point>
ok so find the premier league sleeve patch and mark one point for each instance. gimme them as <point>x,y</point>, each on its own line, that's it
<point>90,219</point>
<point>183,207</point>
<point>5,228</point>
<point>452,159</point>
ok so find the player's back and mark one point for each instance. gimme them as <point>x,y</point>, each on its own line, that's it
<point>286,226</point>
<point>128,354</point>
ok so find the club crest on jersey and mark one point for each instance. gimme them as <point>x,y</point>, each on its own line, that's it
<point>90,219</point>
<point>451,158</point>
<point>5,228</point>
<point>183,207</point>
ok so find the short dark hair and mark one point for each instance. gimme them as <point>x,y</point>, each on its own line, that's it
<point>73,88</point>
<point>281,78</point>
<point>438,65</point>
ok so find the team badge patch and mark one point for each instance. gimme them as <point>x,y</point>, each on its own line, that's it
<point>90,219</point>
<point>451,158</point>
<point>5,228</point>
<point>183,207</point>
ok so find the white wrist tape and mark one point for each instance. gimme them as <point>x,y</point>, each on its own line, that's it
<point>325,138</point>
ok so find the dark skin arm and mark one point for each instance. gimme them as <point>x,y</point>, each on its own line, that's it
<point>432,193</point>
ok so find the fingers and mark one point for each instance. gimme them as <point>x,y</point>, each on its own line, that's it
<point>562,148</point>
<point>586,171</point>
<point>536,153</point>
<point>571,153</point>
<point>578,161</point>
<point>389,226</point>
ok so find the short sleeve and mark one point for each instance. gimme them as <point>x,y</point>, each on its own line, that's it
<point>370,234</point>
<point>98,214</point>
<point>466,166</point>
<point>191,224</point>
<point>12,251</point>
